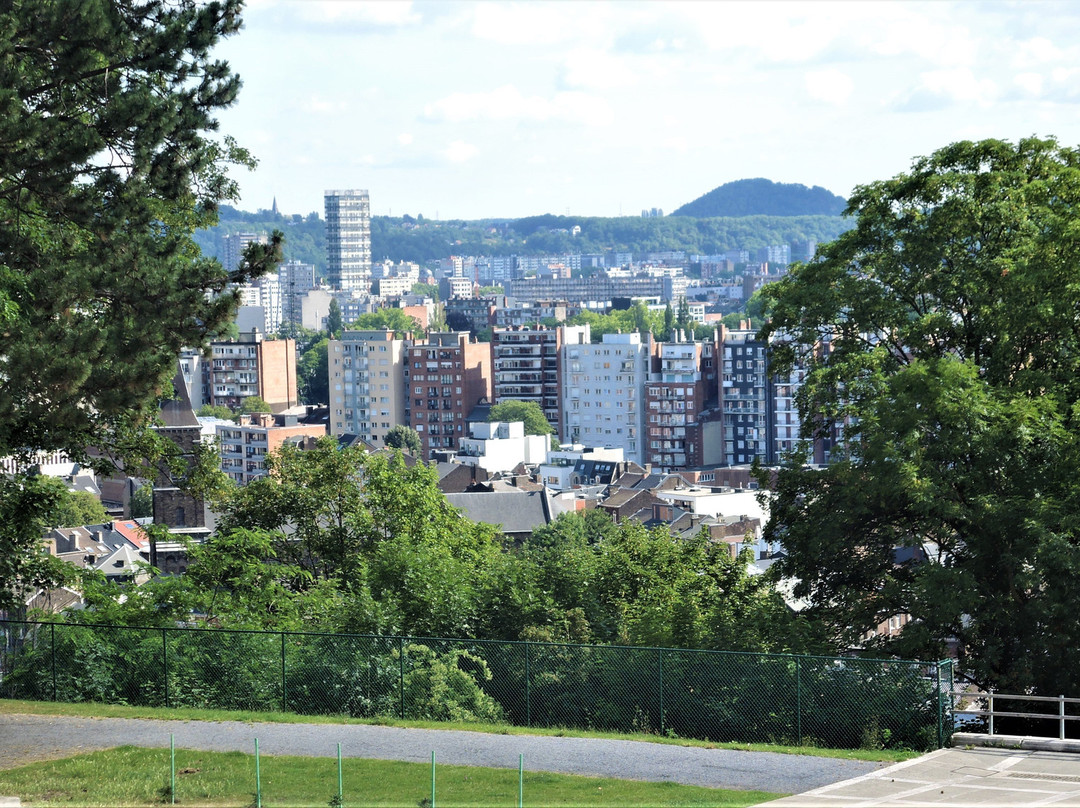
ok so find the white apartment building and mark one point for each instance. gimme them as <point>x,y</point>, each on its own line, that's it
<point>348,239</point>
<point>367,384</point>
<point>603,403</point>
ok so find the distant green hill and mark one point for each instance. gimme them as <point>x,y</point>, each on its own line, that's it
<point>422,240</point>
<point>761,197</point>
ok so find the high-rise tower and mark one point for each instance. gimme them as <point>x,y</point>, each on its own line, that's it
<point>348,239</point>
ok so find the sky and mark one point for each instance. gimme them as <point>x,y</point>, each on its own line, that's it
<point>468,110</point>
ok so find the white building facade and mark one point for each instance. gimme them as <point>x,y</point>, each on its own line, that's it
<point>604,387</point>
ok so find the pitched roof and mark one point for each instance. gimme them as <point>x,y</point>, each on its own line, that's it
<point>517,512</point>
<point>178,412</point>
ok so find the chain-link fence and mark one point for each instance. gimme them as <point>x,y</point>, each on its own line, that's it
<point>710,695</point>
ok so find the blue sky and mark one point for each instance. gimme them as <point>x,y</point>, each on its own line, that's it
<point>469,110</point>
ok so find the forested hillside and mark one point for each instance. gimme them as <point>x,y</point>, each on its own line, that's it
<point>421,240</point>
<point>761,197</point>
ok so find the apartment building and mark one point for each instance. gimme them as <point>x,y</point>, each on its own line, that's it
<point>252,366</point>
<point>681,384</point>
<point>447,376</point>
<point>367,384</point>
<point>597,288</point>
<point>527,366</point>
<point>243,446</point>
<point>348,239</point>
<point>605,390</point>
<point>747,398</point>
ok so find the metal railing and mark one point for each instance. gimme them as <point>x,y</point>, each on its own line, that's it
<point>961,697</point>
<point>710,695</point>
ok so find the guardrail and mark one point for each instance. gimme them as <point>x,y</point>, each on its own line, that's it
<point>991,713</point>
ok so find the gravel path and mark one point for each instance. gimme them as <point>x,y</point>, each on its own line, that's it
<point>25,738</point>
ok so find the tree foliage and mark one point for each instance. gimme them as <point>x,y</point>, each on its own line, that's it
<point>953,374</point>
<point>528,412</point>
<point>394,319</point>
<point>254,404</point>
<point>313,372</point>
<point>334,323</point>
<point>761,197</point>
<point>77,508</point>
<point>404,438</point>
<point>115,167</point>
<point>109,112</point>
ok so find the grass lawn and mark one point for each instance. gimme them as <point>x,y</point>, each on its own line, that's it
<point>95,710</point>
<point>130,776</point>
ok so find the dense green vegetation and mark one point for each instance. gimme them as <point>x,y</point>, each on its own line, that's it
<point>761,197</point>
<point>404,239</point>
<point>101,284</point>
<point>305,236</point>
<point>336,540</point>
<point>954,372</point>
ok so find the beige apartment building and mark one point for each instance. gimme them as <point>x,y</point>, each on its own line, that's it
<point>367,384</point>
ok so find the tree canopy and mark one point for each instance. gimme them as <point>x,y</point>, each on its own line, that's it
<point>394,319</point>
<point>942,343</point>
<point>109,112</point>
<point>528,412</point>
<point>405,438</point>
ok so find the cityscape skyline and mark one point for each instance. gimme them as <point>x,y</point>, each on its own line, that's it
<point>473,110</point>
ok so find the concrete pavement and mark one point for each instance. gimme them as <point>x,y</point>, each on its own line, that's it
<point>982,776</point>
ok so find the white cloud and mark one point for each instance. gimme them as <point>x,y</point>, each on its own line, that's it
<point>459,151</point>
<point>1035,51</point>
<point>404,139</point>
<point>831,86</point>
<point>960,84</point>
<point>941,89</point>
<point>1030,83</point>
<point>376,12</point>
<point>507,103</point>
<point>542,23</point>
<point>595,69</point>
<point>317,105</point>
<point>677,144</point>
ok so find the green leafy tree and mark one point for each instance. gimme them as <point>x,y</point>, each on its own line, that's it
<point>254,404</point>
<point>27,503</point>
<point>215,411</point>
<point>952,378</point>
<point>334,322</point>
<point>142,502</point>
<point>79,508</point>
<point>392,318</point>
<point>528,412</point>
<point>404,438</point>
<point>426,289</point>
<point>313,371</point>
<point>101,283</point>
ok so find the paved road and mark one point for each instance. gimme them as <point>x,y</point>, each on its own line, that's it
<point>25,738</point>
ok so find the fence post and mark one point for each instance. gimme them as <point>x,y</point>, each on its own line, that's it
<point>940,706</point>
<point>401,677</point>
<point>661,681</point>
<point>52,655</point>
<point>798,699</point>
<point>528,695</point>
<point>284,684</point>
<point>1061,718</point>
<point>165,662</point>
<point>991,694</point>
